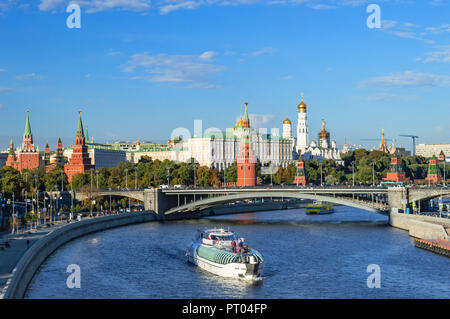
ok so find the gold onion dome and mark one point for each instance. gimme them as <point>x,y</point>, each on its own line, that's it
<point>323,132</point>
<point>240,122</point>
<point>287,121</point>
<point>302,106</point>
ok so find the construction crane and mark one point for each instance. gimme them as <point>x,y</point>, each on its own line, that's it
<point>414,137</point>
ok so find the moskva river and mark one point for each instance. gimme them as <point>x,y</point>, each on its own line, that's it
<point>306,256</point>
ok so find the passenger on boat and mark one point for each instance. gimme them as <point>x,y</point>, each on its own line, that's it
<point>234,246</point>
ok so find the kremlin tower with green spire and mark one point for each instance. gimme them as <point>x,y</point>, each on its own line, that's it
<point>80,162</point>
<point>28,156</point>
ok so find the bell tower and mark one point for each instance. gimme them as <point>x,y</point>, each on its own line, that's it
<point>302,128</point>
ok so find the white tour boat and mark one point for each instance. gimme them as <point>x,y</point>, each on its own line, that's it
<point>213,251</point>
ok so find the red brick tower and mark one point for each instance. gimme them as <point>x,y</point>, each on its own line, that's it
<point>300,175</point>
<point>80,162</point>
<point>434,173</point>
<point>47,154</point>
<point>59,153</point>
<point>59,160</point>
<point>246,160</point>
<point>28,156</point>
<point>396,173</point>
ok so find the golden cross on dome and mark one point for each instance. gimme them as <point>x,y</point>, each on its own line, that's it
<point>301,95</point>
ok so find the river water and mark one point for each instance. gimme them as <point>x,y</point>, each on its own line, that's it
<point>306,256</point>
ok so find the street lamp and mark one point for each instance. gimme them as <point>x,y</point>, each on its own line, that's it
<point>445,160</point>
<point>168,176</point>
<point>353,173</point>
<point>321,182</point>
<point>90,202</point>
<point>373,173</point>
<point>195,175</point>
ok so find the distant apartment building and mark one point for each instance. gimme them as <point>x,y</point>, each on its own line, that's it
<point>430,150</point>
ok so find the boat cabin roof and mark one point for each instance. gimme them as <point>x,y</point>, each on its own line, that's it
<point>219,232</point>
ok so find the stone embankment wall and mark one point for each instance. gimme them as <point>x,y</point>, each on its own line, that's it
<point>423,227</point>
<point>36,255</point>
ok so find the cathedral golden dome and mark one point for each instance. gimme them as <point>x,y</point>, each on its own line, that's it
<point>302,106</point>
<point>323,132</point>
<point>287,121</point>
<point>240,122</point>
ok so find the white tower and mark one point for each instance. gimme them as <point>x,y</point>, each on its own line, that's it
<point>302,128</point>
<point>287,129</point>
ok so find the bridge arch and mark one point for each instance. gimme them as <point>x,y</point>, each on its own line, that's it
<point>219,200</point>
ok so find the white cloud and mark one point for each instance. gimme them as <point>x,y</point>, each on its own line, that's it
<point>445,28</point>
<point>28,77</point>
<point>408,79</point>
<point>171,68</point>
<point>92,6</point>
<point>442,55</point>
<point>265,51</point>
<point>88,76</point>
<point>2,70</point>
<point>5,89</point>
<point>208,55</point>
<point>388,24</point>
<point>111,52</point>
<point>187,5</point>
<point>287,77</point>
<point>322,6</point>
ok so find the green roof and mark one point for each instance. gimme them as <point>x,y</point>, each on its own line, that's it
<point>27,125</point>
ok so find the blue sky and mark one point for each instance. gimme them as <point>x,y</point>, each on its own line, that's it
<point>143,68</point>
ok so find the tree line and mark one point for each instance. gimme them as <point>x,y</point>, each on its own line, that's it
<point>153,173</point>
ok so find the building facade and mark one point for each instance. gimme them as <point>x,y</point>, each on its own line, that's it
<point>430,150</point>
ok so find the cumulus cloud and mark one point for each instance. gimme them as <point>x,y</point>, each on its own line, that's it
<point>407,79</point>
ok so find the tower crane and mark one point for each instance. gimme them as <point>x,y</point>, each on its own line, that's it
<point>414,137</point>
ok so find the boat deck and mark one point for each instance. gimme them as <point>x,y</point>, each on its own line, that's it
<point>438,246</point>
